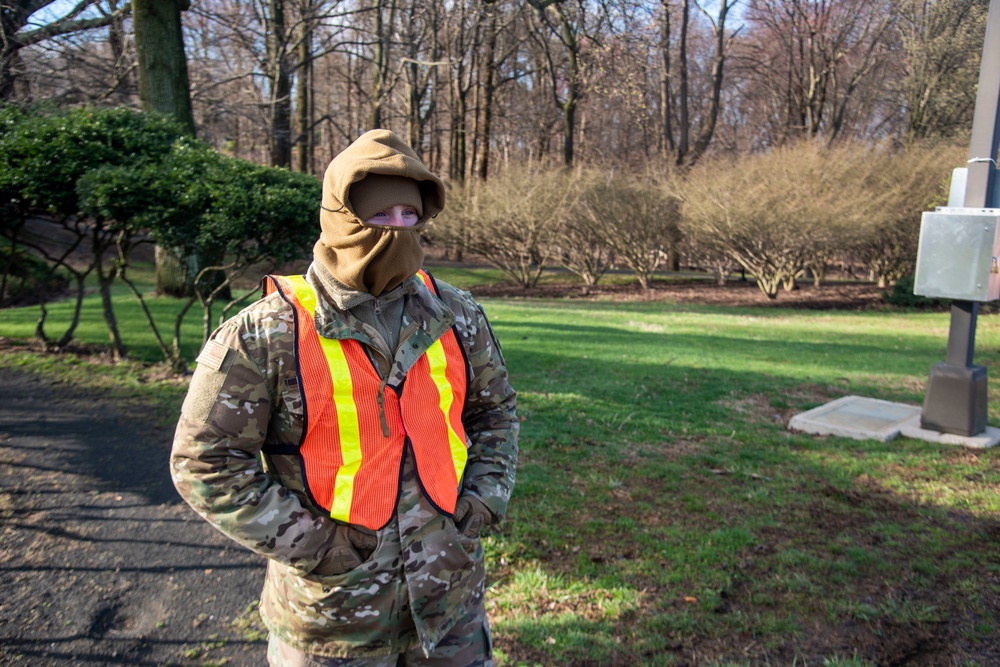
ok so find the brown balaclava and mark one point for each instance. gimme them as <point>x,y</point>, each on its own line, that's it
<point>372,258</point>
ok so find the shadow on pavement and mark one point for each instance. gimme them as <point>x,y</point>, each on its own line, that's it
<point>101,563</point>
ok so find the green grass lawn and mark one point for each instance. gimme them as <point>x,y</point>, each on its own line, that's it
<point>664,515</point>
<point>662,505</point>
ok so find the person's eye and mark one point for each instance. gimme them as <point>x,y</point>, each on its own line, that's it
<point>381,214</point>
<point>409,211</point>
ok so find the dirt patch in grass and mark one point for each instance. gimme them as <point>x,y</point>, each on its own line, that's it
<point>753,409</point>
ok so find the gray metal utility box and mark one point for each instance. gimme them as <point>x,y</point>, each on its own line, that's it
<point>957,257</point>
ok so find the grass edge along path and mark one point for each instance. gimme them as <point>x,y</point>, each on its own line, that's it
<point>665,516</point>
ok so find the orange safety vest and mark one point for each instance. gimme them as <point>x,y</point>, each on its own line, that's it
<point>351,467</point>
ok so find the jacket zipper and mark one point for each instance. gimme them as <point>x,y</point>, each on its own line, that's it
<point>381,408</point>
<point>381,394</point>
<point>412,329</point>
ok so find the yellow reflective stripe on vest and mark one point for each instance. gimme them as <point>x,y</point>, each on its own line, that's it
<point>347,424</point>
<point>438,368</point>
<point>303,292</point>
<point>349,435</point>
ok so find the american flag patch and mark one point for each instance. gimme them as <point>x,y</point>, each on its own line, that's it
<point>213,355</point>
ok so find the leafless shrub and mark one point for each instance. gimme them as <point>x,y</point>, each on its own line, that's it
<point>638,222</point>
<point>897,187</point>
<point>581,240</point>
<point>774,214</point>
<point>510,221</point>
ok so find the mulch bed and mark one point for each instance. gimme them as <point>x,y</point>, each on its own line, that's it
<point>831,296</point>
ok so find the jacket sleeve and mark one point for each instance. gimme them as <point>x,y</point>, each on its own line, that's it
<point>215,460</point>
<point>490,414</point>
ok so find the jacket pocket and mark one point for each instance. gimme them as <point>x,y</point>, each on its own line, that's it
<point>322,609</point>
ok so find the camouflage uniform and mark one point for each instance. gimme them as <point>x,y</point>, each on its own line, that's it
<point>424,577</point>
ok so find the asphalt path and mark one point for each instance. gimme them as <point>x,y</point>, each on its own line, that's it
<point>101,562</point>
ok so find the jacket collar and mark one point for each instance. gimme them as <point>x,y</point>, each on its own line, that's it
<point>425,316</point>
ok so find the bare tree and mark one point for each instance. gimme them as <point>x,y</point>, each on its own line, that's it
<point>384,13</point>
<point>710,114</point>
<point>17,31</point>
<point>476,85</point>
<point>806,61</point>
<point>82,68</point>
<point>617,119</point>
<point>689,110</point>
<point>255,72</point>
<point>464,28</point>
<point>636,221</point>
<point>943,46</point>
<point>563,30</point>
<point>488,80</point>
<point>422,29</point>
<point>122,55</point>
<point>581,239</point>
<point>898,187</point>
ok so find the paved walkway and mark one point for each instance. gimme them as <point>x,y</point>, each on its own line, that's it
<point>101,563</point>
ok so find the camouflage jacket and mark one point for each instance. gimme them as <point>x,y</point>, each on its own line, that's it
<point>424,574</point>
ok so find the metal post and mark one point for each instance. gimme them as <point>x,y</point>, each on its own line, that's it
<point>962,334</point>
<point>956,392</point>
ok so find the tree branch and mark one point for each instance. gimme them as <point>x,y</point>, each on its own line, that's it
<point>67,26</point>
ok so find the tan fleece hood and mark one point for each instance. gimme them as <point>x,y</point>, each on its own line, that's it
<point>365,257</point>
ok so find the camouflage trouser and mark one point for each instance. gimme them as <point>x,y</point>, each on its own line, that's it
<point>467,645</point>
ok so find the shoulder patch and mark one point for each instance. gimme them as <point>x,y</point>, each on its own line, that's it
<point>213,355</point>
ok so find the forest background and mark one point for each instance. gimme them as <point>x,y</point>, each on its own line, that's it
<point>477,86</point>
<point>776,136</point>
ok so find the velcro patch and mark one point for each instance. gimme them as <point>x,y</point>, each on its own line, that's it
<point>213,355</point>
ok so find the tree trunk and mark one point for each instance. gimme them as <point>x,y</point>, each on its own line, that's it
<point>380,75</point>
<point>173,275</point>
<point>458,155</point>
<point>162,64</point>
<point>484,126</point>
<point>572,87</point>
<point>281,88</point>
<point>104,281</point>
<point>306,141</point>
<point>163,87</point>
<point>684,120</point>
<point>569,129</point>
<point>667,145</point>
<point>12,86</point>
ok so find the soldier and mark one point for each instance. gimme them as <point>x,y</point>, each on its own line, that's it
<point>356,427</point>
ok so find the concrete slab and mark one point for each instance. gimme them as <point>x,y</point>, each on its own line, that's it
<point>988,438</point>
<point>856,417</point>
<point>874,419</point>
